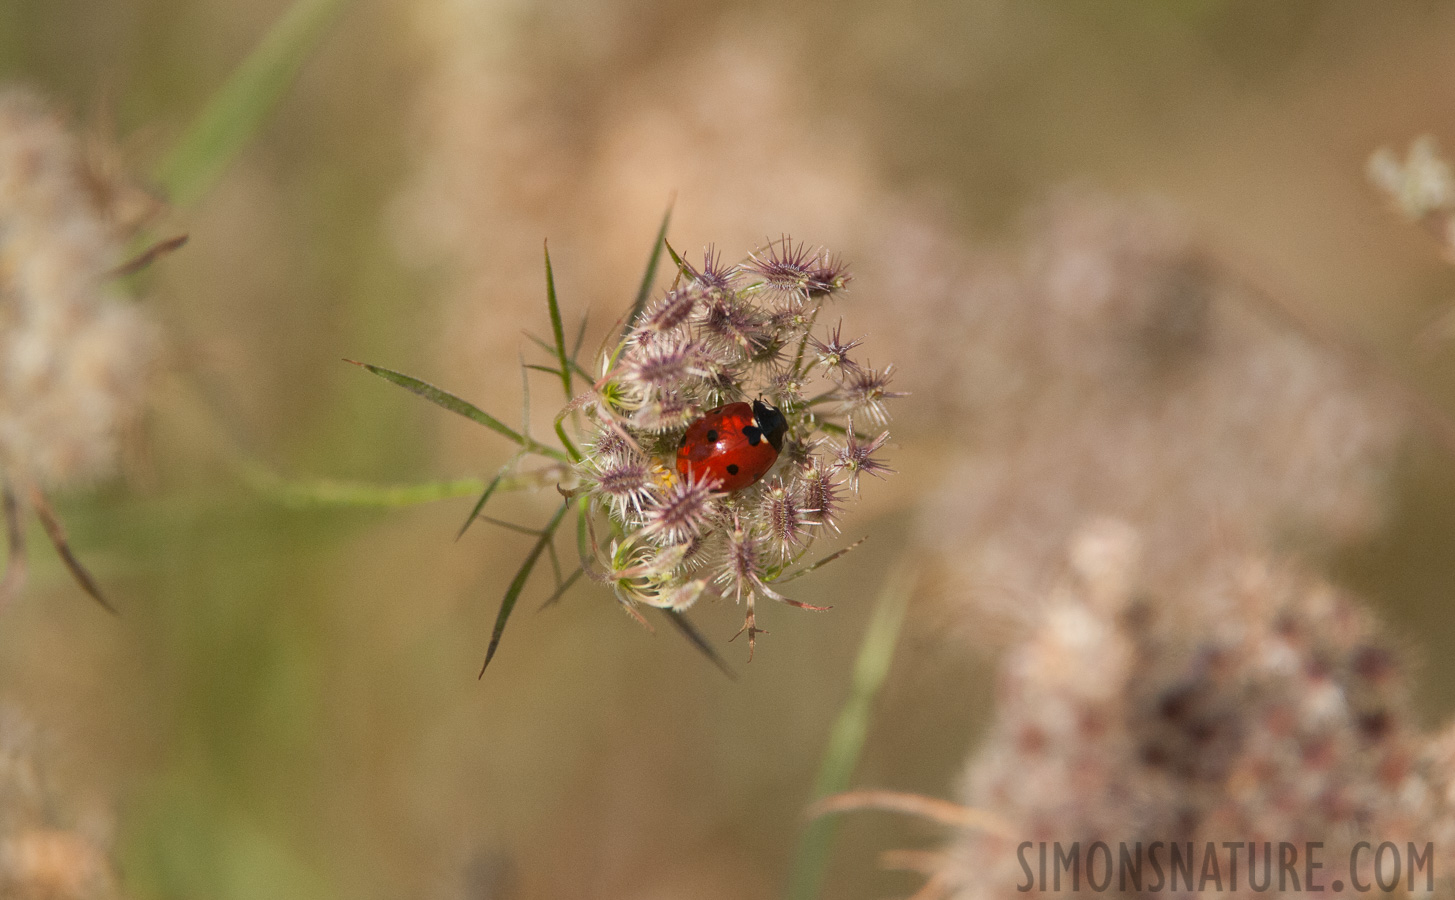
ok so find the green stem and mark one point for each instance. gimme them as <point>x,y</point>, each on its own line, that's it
<point>240,107</point>
<point>846,741</point>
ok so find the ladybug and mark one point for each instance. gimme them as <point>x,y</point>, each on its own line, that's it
<point>734,445</point>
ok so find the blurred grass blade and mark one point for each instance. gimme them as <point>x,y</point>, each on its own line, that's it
<point>649,277</point>
<point>240,107</point>
<point>517,584</point>
<point>846,741</point>
<point>557,329</point>
<point>462,407</point>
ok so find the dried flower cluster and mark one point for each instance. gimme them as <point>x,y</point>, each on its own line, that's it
<point>1118,368</point>
<point>1420,187</point>
<point>75,358</point>
<point>47,852</point>
<point>1255,704</point>
<point>720,335</point>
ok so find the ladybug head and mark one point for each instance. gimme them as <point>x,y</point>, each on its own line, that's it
<point>771,422</point>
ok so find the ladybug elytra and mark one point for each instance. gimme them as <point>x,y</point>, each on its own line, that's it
<point>733,445</point>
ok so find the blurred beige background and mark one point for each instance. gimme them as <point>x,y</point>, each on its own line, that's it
<point>288,705</point>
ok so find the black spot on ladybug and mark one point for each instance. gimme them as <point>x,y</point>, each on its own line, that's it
<point>712,436</point>
<point>732,468</point>
<point>753,433</point>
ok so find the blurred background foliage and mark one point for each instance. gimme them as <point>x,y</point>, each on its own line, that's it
<point>287,707</point>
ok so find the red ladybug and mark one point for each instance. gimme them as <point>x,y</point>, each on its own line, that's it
<point>734,445</point>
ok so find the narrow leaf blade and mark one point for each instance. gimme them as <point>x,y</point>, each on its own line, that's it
<point>517,584</point>
<point>447,400</point>
<point>649,277</point>
<point>557,330</point>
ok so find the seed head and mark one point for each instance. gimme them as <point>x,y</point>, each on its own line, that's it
<point>788,525</point>
<point>672,310</point>
<point>742,564</point>
<point>668,412</point>
<point>731,324</point>
<point>822,496</point>
<point>661,365</point>
<point>624,481</point>
<point>833,352</point>
<point>682,511</point>
<point>864,390</point>
<point>714,277</point>
<point>855,458</point>
<point>797,271</point>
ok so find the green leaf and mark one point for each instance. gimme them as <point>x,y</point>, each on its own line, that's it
<point>649,277</point>
<point>846,741</point>
<point>517,584</point>
<point>240,107</point>
<point>462,407</point>
<point>557,331</point>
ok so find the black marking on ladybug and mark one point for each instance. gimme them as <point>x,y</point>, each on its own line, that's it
<point>771,423</point>
<point>732,468</point>
<point>753,434</point>
<point>712,436</point>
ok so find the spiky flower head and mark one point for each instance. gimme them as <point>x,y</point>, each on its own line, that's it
<point>789,524</point>
<point>723,334</point>
<point>682,511</point>
<point>822,495</point>
<point>623,478</point>
<point>856,457</point>
<point>864,391</point>
<point>833,350</point>
<point>797,271</point>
